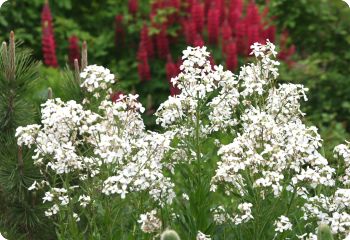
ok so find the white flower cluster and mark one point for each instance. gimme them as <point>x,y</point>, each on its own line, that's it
<point>245,213</point>
<point>270,151</point>
<point>150,222</point>
<point>113,140</point>
<point>242,215</point>
<point>141,173</point>
<point>273,141</point>
<point>256,77</point>
<point>84,200</point>
<point>343,151</point>
<point>333,211</point>
<point>96,78</point>
<point>282,224</point>
<point>269,147</point>
<point>197,81</point>
<point>57,141</point>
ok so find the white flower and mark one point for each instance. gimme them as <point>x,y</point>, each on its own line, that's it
<point>149,222</point>
<point>282,224</point>
<point>2,237</point>
<point>33,186</point>
<point>48,197</point>
<point>245,213</point>
<point>52,211</point>
<point>84,200</point>
<point>26,135</point>
<point>76,217</point>
<point>202,236</point>
<point>96,78</point>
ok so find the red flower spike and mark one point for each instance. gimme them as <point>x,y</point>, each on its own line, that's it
<point>74,50</point>
<point>171,68</point>
<point>220,5</point>
<point>226,34</point>
<point>253,16</point>
<point>197,13</point>
<point>175,4</point>
<point>207,5</point>
<point>190,31</point>
<point>241,34</point>
<point>231,56</point>
<point>162,43</point>
<point>147,40</point>
<point>143,66</point>
<point>213,25</point>
<point>234,17</point>
<point>189,4</point>
<point>270,33</point>
<point>252,37</point>
<point>236,5</point>
<point>198,41</point>
<point>133,6</point>
<point>46,17</point>
<point>48,47</point>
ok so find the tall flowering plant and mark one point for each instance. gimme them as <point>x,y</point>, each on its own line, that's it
<point>233,158</point>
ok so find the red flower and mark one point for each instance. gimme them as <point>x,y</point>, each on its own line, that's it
<point>116,96</point>
<point>48,47</point>
<point>198,41</point>
<point>162,43</point>
<point>241,34</point>
<point>226,34</point>
<point>253,37</point>
<point>270,33</point>
<point>190,31</point>
<point>147,40</point>
<point>236,5</point>
<point>234,17</point>
<point>133,6</point>
<point>253,16</point>
<point>197,13</point>
<point>46,17</point>
<point>143,66</point>
<point>231,56</point>
<point>74,50</point>
<point>172,71</point>
<point>213,24</point>
<point>220,4</point>
<point>189,4</point>
<point>207,5</point>
<point>175,5</point>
